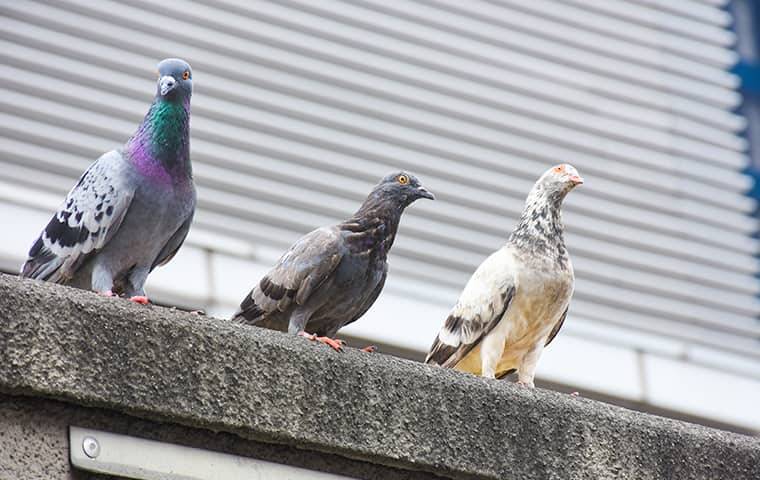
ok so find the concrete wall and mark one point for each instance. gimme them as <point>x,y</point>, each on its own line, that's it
<point>34,442</point>
<point>73,357</point>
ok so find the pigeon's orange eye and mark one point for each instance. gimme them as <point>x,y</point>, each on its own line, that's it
<point>559,169</point>
<point>185,75</point>
<point>403,179</point>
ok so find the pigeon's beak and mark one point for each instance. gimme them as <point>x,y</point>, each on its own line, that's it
<point>576,179</point>
<point>423,192</point>
<point>166,84</point>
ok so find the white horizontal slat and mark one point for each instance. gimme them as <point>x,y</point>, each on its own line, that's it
<point>690,8</point>
<point>537,66</point>
<point>660,19</point>
<point>467,23</point>
<point>655,306</point>
<point>717,3</point>
<point>677,246</point>
<point>698,334</point>
<point>489,15</point>
<point>658,284</point>
<point>362,61</point>
<point>436,37</point>
<point>18,76</point>
<point>579,15</point>
<point>25,81</point>
<point>611,147</point>
<point>714,194</point>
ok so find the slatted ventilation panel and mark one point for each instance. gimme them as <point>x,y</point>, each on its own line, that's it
<point>300,106</point>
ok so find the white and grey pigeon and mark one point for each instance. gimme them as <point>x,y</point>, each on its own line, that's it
<point>332,276</point>
<point>516,301</point>
<point>131,210</point>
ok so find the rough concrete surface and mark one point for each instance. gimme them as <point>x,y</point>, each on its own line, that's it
<point>168,366</point>
<point>34,443</point>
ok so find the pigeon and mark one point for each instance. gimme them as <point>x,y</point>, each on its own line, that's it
<point>517,300</point>
<point>332,276</point>
<point>132,208</point>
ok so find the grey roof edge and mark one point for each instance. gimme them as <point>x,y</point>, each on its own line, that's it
<point>161,364</point>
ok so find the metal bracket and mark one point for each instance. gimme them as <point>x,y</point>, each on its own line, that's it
<point>141,459</point>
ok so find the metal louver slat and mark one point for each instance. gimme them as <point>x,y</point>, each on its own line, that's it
<point>125,15</point>
<point>676,246</point>
<point>662,19</point>
<point>690,8</point>
<point>556,49</point>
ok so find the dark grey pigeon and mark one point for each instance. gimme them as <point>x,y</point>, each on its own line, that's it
<point>333,275</point>
<point>131,210</point>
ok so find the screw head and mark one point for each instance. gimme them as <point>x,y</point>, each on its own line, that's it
<point>91,447</point>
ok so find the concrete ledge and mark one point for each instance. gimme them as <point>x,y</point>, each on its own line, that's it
<point>176,369</point>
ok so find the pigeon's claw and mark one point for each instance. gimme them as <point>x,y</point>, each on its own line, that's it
<point>141,299</point>
<point>369,349</point>
<point>334,343</point>
<point>107,293</point>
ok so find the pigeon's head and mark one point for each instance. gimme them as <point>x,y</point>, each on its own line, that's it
<point>560,179</point>
<point>175,79</point>
<point>401,188</point>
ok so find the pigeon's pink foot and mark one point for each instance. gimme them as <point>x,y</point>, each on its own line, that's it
<point>575,394</point>
<point>369,349</point>
<point>141,299</point>
<point>336,344</point>
<point>108,293</point>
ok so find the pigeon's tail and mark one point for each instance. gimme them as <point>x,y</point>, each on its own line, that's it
<point>42,264</point>
<point>505,373</point>
<point>248,312</point>
<point>440,353</point>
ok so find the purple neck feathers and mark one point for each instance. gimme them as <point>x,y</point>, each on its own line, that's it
<point>160,149</point>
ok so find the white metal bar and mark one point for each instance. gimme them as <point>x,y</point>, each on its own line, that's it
<point>132,457</point>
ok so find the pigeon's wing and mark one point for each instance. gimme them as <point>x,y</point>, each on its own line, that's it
<point>298,273</point>
<point>370,300</point>
<point>174,243</point>
<point>88,218</point>
<point>481,306</point>
<point>556,328</point>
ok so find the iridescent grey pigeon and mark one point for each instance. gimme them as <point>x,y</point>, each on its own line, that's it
<point>333,275</point>
<point>516,301</point>
<point>131,210</point>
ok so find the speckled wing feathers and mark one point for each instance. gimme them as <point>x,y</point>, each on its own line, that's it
<point>557,327</point>
<point>89,217</point>
<point>480,308</point>
<point>297,274</point>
